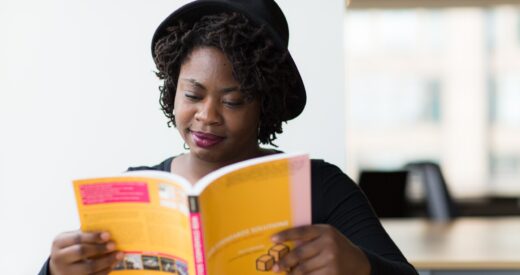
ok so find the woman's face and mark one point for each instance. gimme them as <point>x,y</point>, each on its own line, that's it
<point>211,114</point>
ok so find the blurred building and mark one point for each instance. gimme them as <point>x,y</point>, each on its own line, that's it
<point>436,84</point>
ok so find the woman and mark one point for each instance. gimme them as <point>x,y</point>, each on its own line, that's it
<point>229,84</point>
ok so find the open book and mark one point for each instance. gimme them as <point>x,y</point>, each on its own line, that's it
<point>220,225</point>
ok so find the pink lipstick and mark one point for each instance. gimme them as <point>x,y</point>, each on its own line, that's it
<point>205,140</point>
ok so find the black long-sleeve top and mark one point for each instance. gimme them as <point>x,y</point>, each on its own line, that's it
<point>337,201</point>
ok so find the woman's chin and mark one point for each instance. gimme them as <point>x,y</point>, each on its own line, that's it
<point>208,155</point>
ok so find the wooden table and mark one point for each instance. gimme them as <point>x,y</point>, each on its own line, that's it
<point>464,246</point>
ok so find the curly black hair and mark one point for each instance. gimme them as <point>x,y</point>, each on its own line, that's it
<point>262,69</point>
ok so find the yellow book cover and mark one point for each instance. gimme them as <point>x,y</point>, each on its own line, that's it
<point>220,225</point>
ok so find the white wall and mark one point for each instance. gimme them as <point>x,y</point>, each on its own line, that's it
<point>78,98</point>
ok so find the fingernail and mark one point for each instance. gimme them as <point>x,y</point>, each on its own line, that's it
<point>276,268</point>
<point>120,256</point>
<point>111,246</point>
<point>105,236</point>
<point>275,238</point>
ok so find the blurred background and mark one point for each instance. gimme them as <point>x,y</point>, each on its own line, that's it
<point>437,81</point>
<point>432,123</point>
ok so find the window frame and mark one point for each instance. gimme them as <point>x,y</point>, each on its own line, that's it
<point>400,4</point>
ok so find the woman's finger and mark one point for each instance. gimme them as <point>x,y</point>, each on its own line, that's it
<point>301,233</point>
<point>93,266</point>
<point>80,252</point>
<point>298,255</point>
<point>77,237</point>
<point>310,266</point>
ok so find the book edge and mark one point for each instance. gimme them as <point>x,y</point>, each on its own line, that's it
<point>205,181</point>
<point>184,183</point>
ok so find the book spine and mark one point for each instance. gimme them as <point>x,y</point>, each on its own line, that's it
<point>197,236</point>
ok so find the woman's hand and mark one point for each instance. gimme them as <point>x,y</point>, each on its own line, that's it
<point>321,249</point>
<point>83,253</point>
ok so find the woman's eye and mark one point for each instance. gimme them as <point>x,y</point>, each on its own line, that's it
<point>234,103</point>
<point>192,96</point>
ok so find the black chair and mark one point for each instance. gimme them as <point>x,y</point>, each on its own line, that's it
<point>439,203</point>
<point>386,192</point>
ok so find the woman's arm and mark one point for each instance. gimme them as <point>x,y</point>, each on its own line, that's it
<point>346,235</point>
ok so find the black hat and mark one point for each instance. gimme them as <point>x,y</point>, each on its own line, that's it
<point>262,12</point>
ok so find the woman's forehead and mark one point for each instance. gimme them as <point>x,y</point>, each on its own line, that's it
<point>208,65</point>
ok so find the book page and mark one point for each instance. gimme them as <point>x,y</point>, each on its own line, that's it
<point>242,209</point>
<point>146,217</point>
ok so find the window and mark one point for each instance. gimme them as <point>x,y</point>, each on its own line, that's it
<point>436,84</point>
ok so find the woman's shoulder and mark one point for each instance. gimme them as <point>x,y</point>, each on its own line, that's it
<point>328,180</point>
<point>325,171</point>
<point>163,166</point>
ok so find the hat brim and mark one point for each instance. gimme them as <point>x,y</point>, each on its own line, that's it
<point>193,11</point>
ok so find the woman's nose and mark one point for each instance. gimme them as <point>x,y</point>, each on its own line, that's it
<point>208,112</point>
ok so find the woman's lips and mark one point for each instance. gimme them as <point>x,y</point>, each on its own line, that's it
<point>205,140</point>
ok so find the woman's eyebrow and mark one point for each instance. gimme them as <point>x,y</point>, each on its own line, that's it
<point>199,85</point>
<point>230,89</point>
<point>194,83</point>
